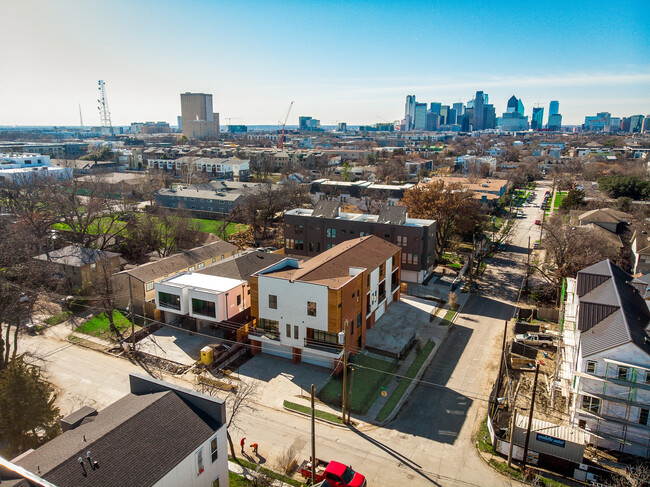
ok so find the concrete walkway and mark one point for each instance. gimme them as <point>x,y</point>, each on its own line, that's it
<point>249,474</point>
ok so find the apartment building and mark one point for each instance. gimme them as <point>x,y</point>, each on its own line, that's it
<point>307,310</point>
<point>230,168</point>
<point>606,358</point>
<point>310,232</point>
<point>358,192</point>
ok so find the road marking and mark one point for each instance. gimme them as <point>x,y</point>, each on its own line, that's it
<point>447,433</point>
<point>456,411</point>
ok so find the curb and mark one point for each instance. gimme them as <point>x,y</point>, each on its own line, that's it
<point>315,417</point>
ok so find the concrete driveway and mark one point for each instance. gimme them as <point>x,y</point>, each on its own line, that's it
<point>176,345</point>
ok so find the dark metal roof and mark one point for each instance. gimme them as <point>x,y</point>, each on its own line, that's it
<point>242,266</point>
<point>395,215</point>
<point>612,313</point>
<point>76,256</point>
<point>326,209</point>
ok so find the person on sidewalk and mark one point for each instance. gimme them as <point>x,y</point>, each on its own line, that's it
<point>254,447</point>
<point>243,443</point>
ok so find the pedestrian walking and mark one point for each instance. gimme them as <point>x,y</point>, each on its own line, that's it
<point>254,447</point>
<point>243,443</point>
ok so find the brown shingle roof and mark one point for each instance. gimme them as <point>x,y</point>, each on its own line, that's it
<point>163,267</point>
<point>76,256</point>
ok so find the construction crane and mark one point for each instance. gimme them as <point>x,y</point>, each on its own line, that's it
<point>281,142</point>
<point>81,120</point>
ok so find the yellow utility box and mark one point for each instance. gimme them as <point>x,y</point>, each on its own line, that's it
<point>207,355</point>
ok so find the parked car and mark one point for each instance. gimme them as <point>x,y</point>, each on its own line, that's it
<point>538,222</point>
<point>336,474</point>
<point>535,339</point>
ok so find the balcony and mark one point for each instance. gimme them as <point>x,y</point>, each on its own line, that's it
<point>333,348</point>
<point>264,333</point>
<point>381,298</point>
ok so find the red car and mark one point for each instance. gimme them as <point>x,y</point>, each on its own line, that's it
<point>538,222</point>
<point>335,473</point>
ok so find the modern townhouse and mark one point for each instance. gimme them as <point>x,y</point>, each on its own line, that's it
<point>310,232</point>
<point>309,310</point>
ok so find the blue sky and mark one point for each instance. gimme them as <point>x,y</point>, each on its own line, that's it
<point>347,61</point>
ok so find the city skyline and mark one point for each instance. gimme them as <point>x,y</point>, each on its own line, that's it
<point>342,62</point>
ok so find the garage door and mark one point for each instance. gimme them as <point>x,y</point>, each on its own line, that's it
<point>277,350</point>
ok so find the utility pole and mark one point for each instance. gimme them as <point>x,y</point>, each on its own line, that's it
<point>513,422</point>
<point>313,438</point>
<point>345,369</point>
<point>132,316</point>
<point>503,349</point>
<point>350,397</point>
<point>530,417</point>
<point>528,263</point>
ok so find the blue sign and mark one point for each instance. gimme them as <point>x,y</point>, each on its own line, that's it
<point>551,440</point>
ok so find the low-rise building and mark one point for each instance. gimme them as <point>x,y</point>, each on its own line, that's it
<point>640,249</point>
<point>606,358</point>
<point>612,220</point>
<point>114,184</point>
<point>205,200</point>
<point>22,168</point>
<point>307,310</point>
<point>198,300</point>
<point>81,266</point>
<point>487,190</point>
<point>310,232</point>
<point>157,435</point>
<point>358,192</point>
<point>138,284</point>
<point>230,168</point>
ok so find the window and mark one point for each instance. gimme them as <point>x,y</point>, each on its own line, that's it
<point>331,233</point>
<point>238,299</point>
<point>213,261</point>
<point>201,265</point>
<point>270,325</point>
<point>643,416</point>
<point>205,308</point>
<point>647,377</point>
<point>296,334</point>
<point>288,243</point>
<point>199,462</point>
<point>368,283</point>
<point>215,482</point>
<point>288,330</point>
<point>591,367</point>
<point>298,229</point>
<point>403,257</point>
<point>273,301</point>
<point>381,270</point>
<point>149,286</point>
<point>582,424</point>
<point>311,308</point>
<point>404,241</point>
<point>191,269</point>
<point>623,373</point>
<point>325,336</point>
<point>415,258</point>
<point>359,320</point>
<point>214,452</point>
<point>93,266</point>
<point>393,261</point>
<point>299,245</point>
<point>168,300</point>
<point>591,404</point>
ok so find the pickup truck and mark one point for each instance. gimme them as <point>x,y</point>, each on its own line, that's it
<point>539,340</point>
<point>336,474</point>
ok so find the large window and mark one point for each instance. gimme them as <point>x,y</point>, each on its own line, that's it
<point>199,462</point>
<point>214,451</point>
<point>331,232</point>
<point>149,286</point>
<point>325,336</point>
<point>205,308</point>
<point>273,301</point>
<point>270,325</point>
<point>169,300</point>
<point>311,308</point>
<point>591,404</point>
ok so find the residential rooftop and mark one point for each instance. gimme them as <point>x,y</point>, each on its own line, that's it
<point>76,256</point>
<point>203,281</point>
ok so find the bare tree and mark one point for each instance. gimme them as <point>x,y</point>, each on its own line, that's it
<point>634,476</point>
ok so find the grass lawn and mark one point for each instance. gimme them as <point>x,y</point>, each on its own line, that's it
<point>307,410</point>
<point>253,466</point>
<point>449,316</point>
<point>98,325</point>
<point>215,226</point>
<point>369,377</point>
<point>404,383</point>
<point>559,198</point>
<point>483,439</point>
<point>237,481</point>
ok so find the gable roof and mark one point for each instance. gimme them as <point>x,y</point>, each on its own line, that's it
<point>76,256</point>
<point>161,424</point>
<point>243,265</point>
<point>326,209</point>
<point>630,320</point>
<point>332,267</point>
<point>605,215</point>
<point>174,263</point>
